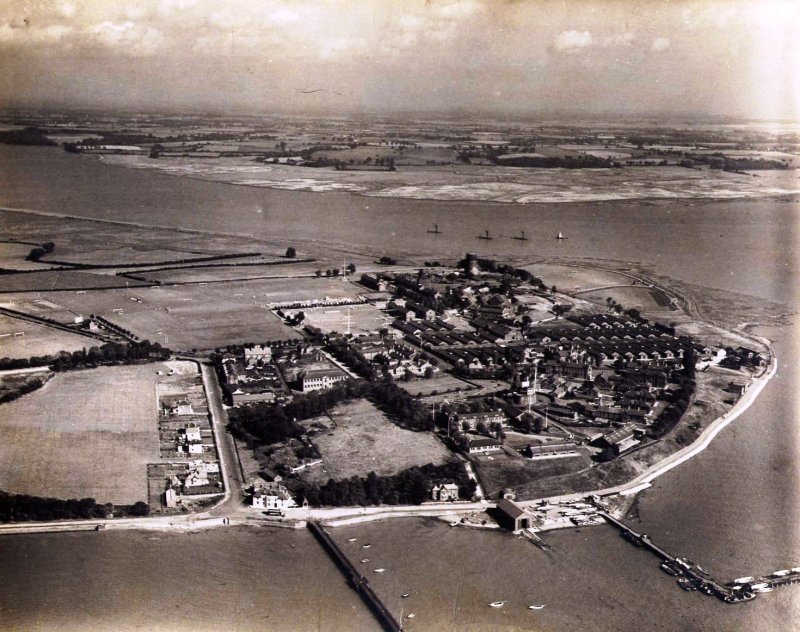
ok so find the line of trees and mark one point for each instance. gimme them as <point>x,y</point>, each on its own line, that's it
<point>409,487</point>
<point>109,353</point>
<point>24,508</point>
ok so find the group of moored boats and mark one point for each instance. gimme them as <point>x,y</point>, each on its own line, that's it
<point>486,236</point>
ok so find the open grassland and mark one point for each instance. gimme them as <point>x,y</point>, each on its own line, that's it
<point>49,280</point>
<point>191,316</point>
<point>363,318</point>
<point>229,271</point>
<point>364,440</point>
<point>502,471</point>
<point>12,257</point>
<point>38,340</point>
<point>645,299</point>
<point>86,433</point>
<point>570,278</point>
<point>440,383</point>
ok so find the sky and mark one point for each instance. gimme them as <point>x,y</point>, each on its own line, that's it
<point>738,58</point>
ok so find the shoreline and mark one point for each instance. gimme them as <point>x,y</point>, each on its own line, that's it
<point>367,192</point>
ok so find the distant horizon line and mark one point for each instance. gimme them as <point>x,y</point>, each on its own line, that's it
<point>506,114</point>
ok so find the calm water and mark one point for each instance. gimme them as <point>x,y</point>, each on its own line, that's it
<point>734,509</point>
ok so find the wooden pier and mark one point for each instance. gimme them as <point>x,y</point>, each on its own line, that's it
<point>692,577</point>
<point>359,582</point>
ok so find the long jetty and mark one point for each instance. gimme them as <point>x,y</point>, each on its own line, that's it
<point>692,577</point>
<point>359,582</point>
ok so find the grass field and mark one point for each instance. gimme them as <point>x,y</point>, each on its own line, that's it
<point>191,316</point>
<point>441,383</point>
<point>363,318</point>
<point>569,279</point>
<point>504,471</point>
<point>58,280</point>
<point>642,298</point>
<point>229,272</point>
<point>38,339</point>
<point>86,433</point>
<point>363,440</point>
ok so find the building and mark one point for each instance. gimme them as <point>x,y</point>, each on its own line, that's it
<point>257,353</point>
<point>374,283</point>
<point>473,419</point>
<point>170,498</point>
<point>512,516</point>
<point>444,492</point>
<point>176,405</point>
<point>619,440</point>
<point>558,451</point>
<point>272,497</point>
<point>320,379</point>
<point>483,446</point>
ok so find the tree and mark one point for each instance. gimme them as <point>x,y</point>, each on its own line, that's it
<point>291,253</point>
<point>351,268</point>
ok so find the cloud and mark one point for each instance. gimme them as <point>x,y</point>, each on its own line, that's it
<point>660,44</point>
<point>572,41</point>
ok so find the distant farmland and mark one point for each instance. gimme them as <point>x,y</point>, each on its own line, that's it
<point>86,433</point>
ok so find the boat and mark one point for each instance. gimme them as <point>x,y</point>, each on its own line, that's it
<point>497,604</point>
<point>380,570</point>
<point>765,589</point>
<point>366,546</point>
<point>742,596</point>
<point>486,235</point>
<point>539,607</point>
<point>435,230</point>
<point>796,569</point>
<point>744,580</point>
<point>365,560</point>
<point>669,569</point>
<point>780,573</point>
<point>759,585</point>
<point>352,539</point>
<point>455,523</point>
<point>521,236</point>
<point>410,615</point>
<point>404,595</point>
<point>561,235</point>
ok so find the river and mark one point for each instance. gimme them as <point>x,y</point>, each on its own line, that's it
<point>733,508</point>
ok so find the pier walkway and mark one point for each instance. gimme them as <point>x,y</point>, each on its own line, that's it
<point>360,583</point>
<point>693,577</point>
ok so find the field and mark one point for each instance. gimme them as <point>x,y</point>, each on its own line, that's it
<point>570,279</point>
<point>47,281</point>
<point>503,471</point>
<point>363,318</point>
<point>86,433</point>
<point>208,272</point>
<point>38,340</point>
<point>644,299</point>
<point>192,316</point>
<point>441,383</point>
<point>99,243</point>
<point>362,440</point>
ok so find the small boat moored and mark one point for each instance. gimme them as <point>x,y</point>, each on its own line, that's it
<point>352,539</point>
<point>539,607</point>
<point>365,560</point>
<point>380,570</point>
<point>365,546</point>
<point>497,604</point>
